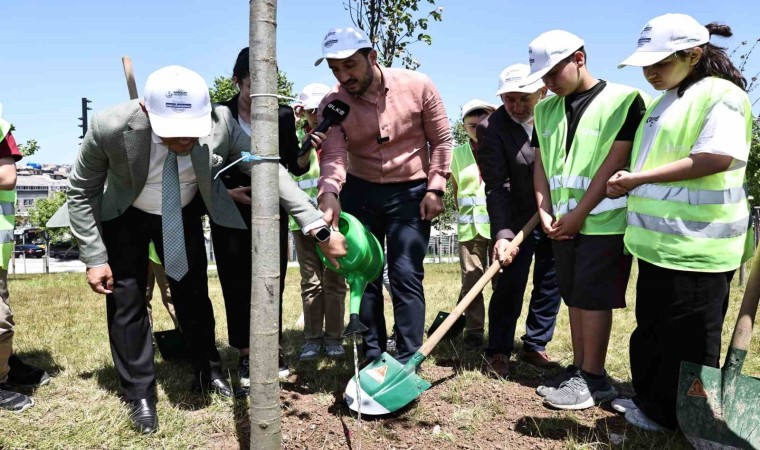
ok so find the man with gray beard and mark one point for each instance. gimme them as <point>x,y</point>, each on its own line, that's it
<point>505,158</point>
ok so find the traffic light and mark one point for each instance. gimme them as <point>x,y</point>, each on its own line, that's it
<point>85,108</point>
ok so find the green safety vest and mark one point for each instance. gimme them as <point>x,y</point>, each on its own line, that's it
<point>153,254</point>
<point>308,181</point>
<point>7,223</point>
<point>471,195</point>
<point>8,218</point>
<point>699,224</point>
<point>570,175</point>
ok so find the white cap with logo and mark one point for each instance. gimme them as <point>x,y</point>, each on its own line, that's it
<point>548,49</point>
<point>312,94</point>
<point>513,79</point>
<point>665,35</point>
<point>340,43</point>
<point>476,104</point>
<point>178,103</point>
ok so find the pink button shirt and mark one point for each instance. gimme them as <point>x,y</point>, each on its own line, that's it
<point>403,135</point>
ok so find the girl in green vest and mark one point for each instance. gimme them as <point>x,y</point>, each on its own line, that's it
<point>687,210</point>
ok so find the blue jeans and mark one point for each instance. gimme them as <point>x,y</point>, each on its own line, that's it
<point>392,213</point>
<point>507,299</point>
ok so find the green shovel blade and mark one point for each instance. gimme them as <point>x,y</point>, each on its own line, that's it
<point>718,408</point>
<point>385,385</point>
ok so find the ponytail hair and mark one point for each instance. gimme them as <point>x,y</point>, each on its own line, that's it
<point>714,62</point>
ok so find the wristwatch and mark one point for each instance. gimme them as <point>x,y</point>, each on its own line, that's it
<point>437,192</point>
<point>323,235</point>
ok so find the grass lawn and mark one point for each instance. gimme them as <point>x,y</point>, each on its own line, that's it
<point>61,326</point>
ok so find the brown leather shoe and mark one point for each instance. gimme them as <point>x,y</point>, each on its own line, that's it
<point>538,359</point>
<point>498,365</point>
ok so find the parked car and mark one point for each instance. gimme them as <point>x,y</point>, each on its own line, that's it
<point>64,250</point>
<point>30,250</point>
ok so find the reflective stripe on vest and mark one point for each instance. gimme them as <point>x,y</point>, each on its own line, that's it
<point>471,201</point>
<point>8,208</point>
<point>470,219</point>
<point>471,195</point>
<point>570,172</point>
<point>691,196</point>
<point>608,204</point>
<point>698,224</point>
<point>688,228</point>
<point>7,236</point>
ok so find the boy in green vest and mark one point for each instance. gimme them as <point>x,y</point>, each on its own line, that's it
<point>323,291</point>
<point>582,136</point>
<point>473,226</point>
<point>14,373</point>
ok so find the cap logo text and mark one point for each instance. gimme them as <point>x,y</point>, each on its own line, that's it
<point>330,43</point>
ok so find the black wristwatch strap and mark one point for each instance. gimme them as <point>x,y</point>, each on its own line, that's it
<point>437,192</point>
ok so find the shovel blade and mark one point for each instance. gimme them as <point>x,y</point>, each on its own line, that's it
<point>717,411</point>
<point>385,386</point>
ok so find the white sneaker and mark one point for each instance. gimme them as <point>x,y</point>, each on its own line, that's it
<point>622,405</point>
<point>637,418</point>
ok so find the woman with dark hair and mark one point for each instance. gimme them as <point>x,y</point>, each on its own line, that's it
<point>232,246</point>
<point>688,214</point>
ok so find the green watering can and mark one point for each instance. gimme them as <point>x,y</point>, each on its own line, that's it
<point>362,264</point>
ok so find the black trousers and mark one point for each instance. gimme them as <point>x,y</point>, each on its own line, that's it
<point>679,317</point>
<point>233,262</point>
<point>507,299</point>
<point>126,239</point>
<point>392,214</point>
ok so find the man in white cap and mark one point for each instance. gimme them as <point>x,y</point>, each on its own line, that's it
<point>159,155</point>
<point>389,161</point>
<point>583,135</point>
<point>473,225</point>
<point>323,291</point>
<point>505,158</point>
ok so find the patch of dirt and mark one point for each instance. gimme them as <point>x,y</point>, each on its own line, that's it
<point>461,411</point>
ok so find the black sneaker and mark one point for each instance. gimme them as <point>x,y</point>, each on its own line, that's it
<point>24,375</point>
<point>14,401</point>
<point>243,372</point>
<point>284,371</point>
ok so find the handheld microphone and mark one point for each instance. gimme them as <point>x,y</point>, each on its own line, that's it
<point>334,113</point>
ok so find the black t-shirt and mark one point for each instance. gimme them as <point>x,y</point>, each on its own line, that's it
<point>576,104</point>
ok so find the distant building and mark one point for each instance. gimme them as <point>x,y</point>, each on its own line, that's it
<point>30,187</point>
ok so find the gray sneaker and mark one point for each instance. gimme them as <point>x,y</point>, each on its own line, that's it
<point>334,351</point>
<point>552,385</point>
<point>580,392</point>
<point>310,351</point>
<point>14,401</point>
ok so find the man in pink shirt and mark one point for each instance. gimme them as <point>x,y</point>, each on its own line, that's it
<point>387,164</point>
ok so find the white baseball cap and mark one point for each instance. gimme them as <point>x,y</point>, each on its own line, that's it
<point>312,94</point>
<point>475,104</point>
<point>665,35</point>
<point>340,43</point>
<point>548,49</point>
<point>178,103</point>
<point>513,79</point>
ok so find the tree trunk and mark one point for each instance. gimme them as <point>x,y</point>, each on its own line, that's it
<point>265,276</point>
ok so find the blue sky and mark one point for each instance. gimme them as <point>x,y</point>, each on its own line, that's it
<point>56,52</point>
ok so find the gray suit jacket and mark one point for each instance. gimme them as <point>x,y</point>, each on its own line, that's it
<point>112,168</point>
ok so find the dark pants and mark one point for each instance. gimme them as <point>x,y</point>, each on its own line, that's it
<point>679,317</point>
<point>392,214</point>
<point>127,238</point>
<point>507,299</point>
<point>232,248</point>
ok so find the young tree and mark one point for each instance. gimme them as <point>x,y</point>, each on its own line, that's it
<point>29,147</point>
<point>266,423</point>
<point>391,26</point>
<point>753,163</point>
<point>43,210</point>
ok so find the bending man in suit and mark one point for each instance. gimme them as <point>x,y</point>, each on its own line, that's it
<point>156,192</point>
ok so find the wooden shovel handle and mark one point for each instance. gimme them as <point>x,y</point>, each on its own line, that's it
<point>748,310</point>
<point>130,75</point>
<point>428,346</point>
